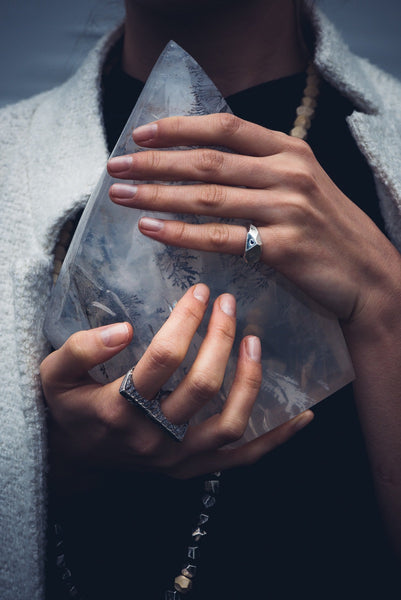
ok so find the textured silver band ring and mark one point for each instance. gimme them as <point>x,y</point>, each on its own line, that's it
<point>151,408</point>
<point>253,245</point>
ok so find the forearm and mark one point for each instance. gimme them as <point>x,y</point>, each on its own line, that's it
<point>375,346</point>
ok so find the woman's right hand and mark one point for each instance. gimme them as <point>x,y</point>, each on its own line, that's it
<point>92,427</point>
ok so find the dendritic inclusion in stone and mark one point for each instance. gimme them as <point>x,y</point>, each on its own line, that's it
<point>113,273</point>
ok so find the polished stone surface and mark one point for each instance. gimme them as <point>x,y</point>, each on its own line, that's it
<point>113,273</point>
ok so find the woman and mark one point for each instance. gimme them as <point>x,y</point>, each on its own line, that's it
<point>313,231</point>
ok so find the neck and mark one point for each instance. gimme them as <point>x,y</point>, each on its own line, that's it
<point>239,44</point>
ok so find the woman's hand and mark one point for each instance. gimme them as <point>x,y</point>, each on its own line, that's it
<point>311,232</point>
<point>92,425</point>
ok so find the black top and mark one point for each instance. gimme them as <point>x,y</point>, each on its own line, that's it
<point>302,522</point>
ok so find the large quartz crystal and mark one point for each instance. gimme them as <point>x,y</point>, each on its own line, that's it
<point>113,273</point>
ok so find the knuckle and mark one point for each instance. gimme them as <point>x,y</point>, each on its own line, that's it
<point>228,124</point>
<point>225,332</point>
<point>231,429</point>
<point>164,355</point>
<point>203,386</point>
<point>149,446</point>
<point>111,415</point>
<point>76,347</point>
<point>209,162</point>
<point>173,125</point>
<point>191,313</point>
<point>252,381</point>
<point>300,147</point>
<point>212,196</point>
<point>219,235</point>
<point>303,179</point>
<point>148,159</point>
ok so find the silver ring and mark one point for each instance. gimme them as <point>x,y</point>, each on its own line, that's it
<point>152,408</point>
<point>253,245</point>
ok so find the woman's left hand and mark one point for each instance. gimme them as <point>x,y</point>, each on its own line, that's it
<point>311,232</point>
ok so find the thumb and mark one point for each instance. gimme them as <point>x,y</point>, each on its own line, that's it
<point>83,350</point>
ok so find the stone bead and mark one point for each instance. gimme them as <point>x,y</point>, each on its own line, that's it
<point>193,552</point>
<point>311,69</point>
<point>171,595</point>
<point>299,132</point>
<point>198,534</point>
<point>311,90</point>
<point>64,238</point>
<point>305,110</point>
<point>60,252</point>
<point>203,518</point>
<point>303,121</point>
<point>308,101</point>
<point>57,266</point>
<point>68,225</point>
<point>208,501</point>
<point>212,486</point>
<point>182,584</point>
<point>189,571</point>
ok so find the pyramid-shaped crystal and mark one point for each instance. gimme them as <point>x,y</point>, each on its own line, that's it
<point>113,273</point>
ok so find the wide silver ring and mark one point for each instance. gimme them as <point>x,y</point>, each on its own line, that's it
<point>151,408</point>
<point>253,245</point>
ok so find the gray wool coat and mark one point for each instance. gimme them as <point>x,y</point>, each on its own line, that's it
<point>53,151</point>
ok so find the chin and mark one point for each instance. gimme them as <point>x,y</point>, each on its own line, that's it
<point>169,6</point>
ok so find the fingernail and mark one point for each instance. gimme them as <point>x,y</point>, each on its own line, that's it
<point>303,420</point>
<point>201,292</point>
<point>145,133</point>
<point>227,304</point>
<point>253,348</point>
<point>121,192</point>
<point>151,224</point>
<point>114,335</point>
<point>120,164</point>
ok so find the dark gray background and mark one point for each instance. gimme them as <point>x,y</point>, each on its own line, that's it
<point>43,41</point>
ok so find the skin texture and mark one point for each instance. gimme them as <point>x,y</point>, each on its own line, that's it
<point>93,428</point>
<point>266,31</point>
<point>311,232</point>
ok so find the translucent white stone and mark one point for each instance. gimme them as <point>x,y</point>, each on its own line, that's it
<point>113,273</point>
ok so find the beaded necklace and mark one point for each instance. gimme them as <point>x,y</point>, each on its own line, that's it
<point>183,582</point>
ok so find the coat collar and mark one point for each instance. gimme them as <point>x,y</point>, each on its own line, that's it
<point>67,145</point>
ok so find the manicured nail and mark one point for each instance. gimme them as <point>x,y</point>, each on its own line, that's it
<point>201,292</point>
<point>114,335</point>
<point>121,192</point>
<point>150,224</point>
<point>253,348</point>
<point>227,304</point>
<point>145,133</point>
<point>120,164</point>
<point>303,420</point>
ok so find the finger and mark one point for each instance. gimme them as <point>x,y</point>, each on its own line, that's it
<point>202,164</point>
<point>204,199</point>
<point>68,366</point>
<point>211,237</point>
<point>207,372</point>
<point>251,452</point>
<point>170,345</point>
<point>221,129</point>
<point>230,425</point>
<point>248,454</point>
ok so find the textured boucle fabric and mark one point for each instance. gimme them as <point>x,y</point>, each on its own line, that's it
<point>53,151</point>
